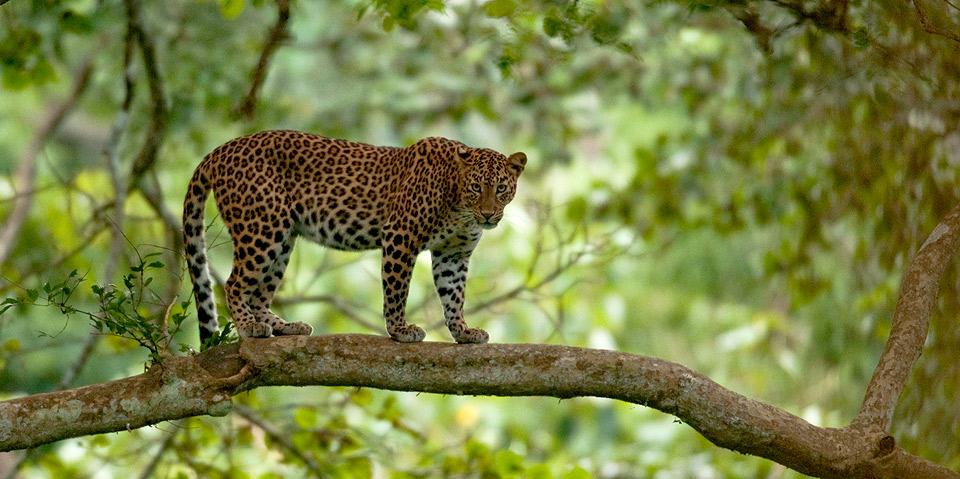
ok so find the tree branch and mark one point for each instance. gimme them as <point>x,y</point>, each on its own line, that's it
<point>918,294</point>
<point>829,15</point>
<point>158,100</point>
<point>928,25</point>
<point>203,384</point>
<point>26,172</point>
<point>277,34</point>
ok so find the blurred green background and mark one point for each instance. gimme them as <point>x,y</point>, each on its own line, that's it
<point>736,187</point>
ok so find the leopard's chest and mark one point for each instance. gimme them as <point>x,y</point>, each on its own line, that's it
<point>456,231</point>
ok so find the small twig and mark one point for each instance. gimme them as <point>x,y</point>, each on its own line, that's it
<point>112,152</point>
<point>150,190</point>
<point>748,16</point>
<point>828,15</point>
<point>148,471</point>
<point>89,344</point>
<point>277,34</point>
<point>340,305</point>
<point>84,244</point>
<point>928,25</point>
<point>279,437</point>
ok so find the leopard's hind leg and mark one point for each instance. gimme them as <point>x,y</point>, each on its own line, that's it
<point>262,298</point>
<point>261,247</point>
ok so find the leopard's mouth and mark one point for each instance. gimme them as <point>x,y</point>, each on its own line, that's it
<point>486,222</point>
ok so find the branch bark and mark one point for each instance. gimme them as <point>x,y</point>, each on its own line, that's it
<point>911,319</point>
<point>204,383</point>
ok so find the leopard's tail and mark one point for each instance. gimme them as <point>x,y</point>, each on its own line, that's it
<point>196,253</point>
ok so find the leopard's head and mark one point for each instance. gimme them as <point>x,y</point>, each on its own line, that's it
<point>488,182</point>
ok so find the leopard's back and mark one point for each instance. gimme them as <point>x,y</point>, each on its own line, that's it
<point>336,190</point>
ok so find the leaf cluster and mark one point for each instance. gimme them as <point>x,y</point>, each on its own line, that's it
<point>121,308</point>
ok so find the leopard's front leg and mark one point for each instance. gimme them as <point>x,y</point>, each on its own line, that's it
<point>450,277</point>
<point>398,260</point>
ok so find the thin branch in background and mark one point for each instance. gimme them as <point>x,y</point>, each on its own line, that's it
<point>70,375</point>
<point>750,19</point>
<point>954,5</point>
<point>279,437</point>
<point>84,244</point>
<point>928,25</point>
<point>828,15</point>
<point>151,191</point>
<point>112,151</point>
<point>158,102</point>
<point>26,172</point>
<point>148,471</point>
<point>36,190</point>
<point>277,34</point>
<point>337,303</point>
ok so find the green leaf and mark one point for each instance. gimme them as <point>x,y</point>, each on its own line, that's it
<point>861,39</point>
<point>500,8</point>
<point>74,22</point>
<point>606,29</point>
<point>577,473</point>
<point>8,303</point>
<point>552,26</point>
<point>304,417</point>
<point>12,345</point>
<point>577,209</point>
<point>231,9</point>
<point>507,462</point>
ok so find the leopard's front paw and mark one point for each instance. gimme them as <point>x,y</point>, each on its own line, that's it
<point>408,333</point>
<point>293,329</point>
<point>472,336</point>
<point>254,330</point>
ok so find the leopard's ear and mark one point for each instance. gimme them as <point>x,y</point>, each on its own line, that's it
<point>463,153</point>
<point>517,161</point>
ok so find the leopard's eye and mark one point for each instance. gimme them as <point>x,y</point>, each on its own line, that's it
<point>475,187</point>
<point>501,189</point>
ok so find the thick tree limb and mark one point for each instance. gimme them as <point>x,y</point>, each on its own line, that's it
<point>203,384</point>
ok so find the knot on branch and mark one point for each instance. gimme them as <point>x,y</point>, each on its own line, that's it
<point>885,446</point>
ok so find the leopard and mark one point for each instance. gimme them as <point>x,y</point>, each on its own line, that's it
<point>273,187</point>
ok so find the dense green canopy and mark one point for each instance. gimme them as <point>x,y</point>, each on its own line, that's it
<point>735,186</point>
